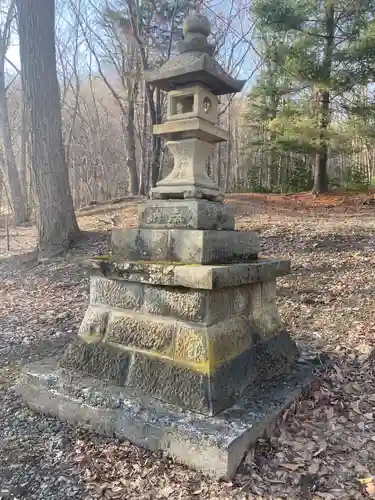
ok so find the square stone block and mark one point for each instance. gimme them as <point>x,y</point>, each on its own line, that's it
<point>185,214</point>
<point>141,244</point>
<point>188,304</point>
<point>116,293</point>
<point>189,246</point>
<point>141,331</point>
<point>176,302</point>
<point>98,360</point>
<point>190,102</point>
<point>170,382</point>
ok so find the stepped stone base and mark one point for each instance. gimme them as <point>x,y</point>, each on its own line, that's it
<point>213,445</point>
<point>193,347</point>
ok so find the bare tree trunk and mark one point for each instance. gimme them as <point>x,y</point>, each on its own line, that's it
<point>130,139</point>
<point>144,178</point>
<point>218,164</point>
<point>19,209</point>
<point>155,112</point>
<point>23,159</point>
<point>57,224</point>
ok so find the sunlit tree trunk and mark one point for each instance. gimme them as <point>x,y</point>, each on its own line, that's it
<point>57,224</point>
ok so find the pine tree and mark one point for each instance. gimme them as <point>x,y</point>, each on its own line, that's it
<point>327,46</point>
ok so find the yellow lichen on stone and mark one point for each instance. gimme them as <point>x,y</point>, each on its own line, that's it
<point>191,345</point>
<point>202,368</point>
<point>214,345</point>
<point>228,339</point>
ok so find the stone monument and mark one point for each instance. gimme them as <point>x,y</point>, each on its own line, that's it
<point>182,330</point>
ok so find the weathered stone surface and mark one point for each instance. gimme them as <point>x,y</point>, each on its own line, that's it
<point>139,244</point>
<point>177,361</point>
<point>263,308</point>
<point>97,360</point>
<point>269,291</point>
<point>261,361</point>
<point>185,214</point>
<point>225,303</point>
<point>192,102</point>
<point>93,326</point>
<point>209,247</point>
<point>189,170</point>
<point>213,445</point>
<point>266,273</point>
<point>203,306</point>
<point>116,293</point>
<point>206,277</point>
<point>192,346</point>
<point>207,347</point>
<point>181,303</point>
<point>141,331</point>
<point>267,319</point>
<point>191,150</point>
<point>255,296</point>
<point>229,339</point>
<point>188,246</point>
<point>194,67</point>
<point>163,379</point>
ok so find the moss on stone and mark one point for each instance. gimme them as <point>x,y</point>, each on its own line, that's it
<point>116,259</point>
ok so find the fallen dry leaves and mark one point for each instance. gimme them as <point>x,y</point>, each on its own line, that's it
<point>324,446</point>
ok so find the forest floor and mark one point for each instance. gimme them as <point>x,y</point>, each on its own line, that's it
<point>322,447</point>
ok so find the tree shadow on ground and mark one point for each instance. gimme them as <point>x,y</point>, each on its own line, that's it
<point>92,243</point>
<point>356,241</point>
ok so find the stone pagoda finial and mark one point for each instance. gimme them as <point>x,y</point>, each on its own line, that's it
<point>197,29</point>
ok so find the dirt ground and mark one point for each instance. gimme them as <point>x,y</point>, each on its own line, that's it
<point>323,447</point>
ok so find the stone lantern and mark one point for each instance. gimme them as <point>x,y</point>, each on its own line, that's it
<point>182,330</point>
<point>193,81</point>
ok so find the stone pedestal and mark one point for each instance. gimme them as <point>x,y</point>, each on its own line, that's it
<point>193,336</point>
<point>187,316</point>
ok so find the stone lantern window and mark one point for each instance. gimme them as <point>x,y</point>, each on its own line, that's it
<point>192,102</point>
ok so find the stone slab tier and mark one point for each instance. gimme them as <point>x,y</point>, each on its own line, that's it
<point>191,128</point>
<point>185,245</point>
<point>214,445</point>
<point>185,214</point>
<point>207,277</point>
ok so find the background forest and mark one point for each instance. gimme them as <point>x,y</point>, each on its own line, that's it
<point>306,119</point>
